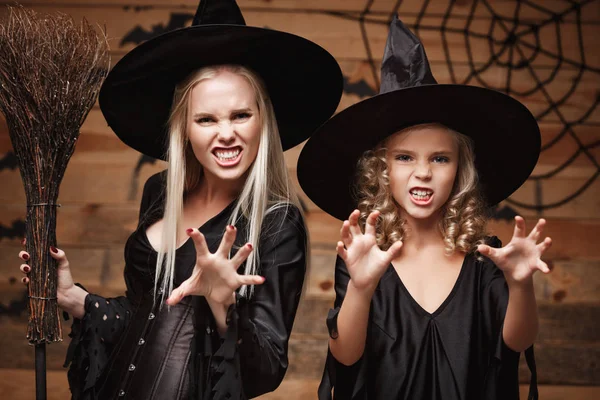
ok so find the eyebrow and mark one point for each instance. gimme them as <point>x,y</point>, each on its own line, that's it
<point>237,111</point>
<point>241,110</point>
<point>441,152</point>
<point>410,152</point>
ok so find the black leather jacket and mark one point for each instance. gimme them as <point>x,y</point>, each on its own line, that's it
<point>131,348</point>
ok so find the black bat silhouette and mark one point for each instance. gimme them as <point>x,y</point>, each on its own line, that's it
<point>17,230</point>
<point>144,159</point>
<point>504,214</point>
<point>9,161</point>
<point>361,88</point>
<point>138,34</point>
<point>16,307</point>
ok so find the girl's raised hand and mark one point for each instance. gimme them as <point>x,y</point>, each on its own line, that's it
<point>365,261</point>
<point>215,275</point>
<point>521,257</point>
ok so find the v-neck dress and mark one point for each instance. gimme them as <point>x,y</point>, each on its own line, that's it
<point>131,348</point>
<point>454,353</point>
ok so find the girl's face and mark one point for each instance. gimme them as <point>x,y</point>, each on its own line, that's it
<point>422,167</point>
<point>224,127</point>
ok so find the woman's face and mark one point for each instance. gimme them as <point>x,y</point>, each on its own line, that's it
<point>224,127</point>
<point>422,167</point>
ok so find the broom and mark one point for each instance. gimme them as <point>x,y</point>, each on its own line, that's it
<point>51,70</point>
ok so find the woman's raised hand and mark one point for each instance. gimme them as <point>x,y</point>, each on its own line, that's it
<point>521,257</point>
<point>215,274</point>
<point>365,261</point>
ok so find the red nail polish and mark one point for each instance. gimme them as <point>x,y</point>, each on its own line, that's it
<point>24,280</point>
<point>23,242</point>
<point>25,257</point>
<point>26,269</point>
<point>249,246</point>
<point>53,249</point>
<point>189,230</point>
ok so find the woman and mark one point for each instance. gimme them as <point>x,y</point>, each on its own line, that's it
<point>220,236</point>
<point>427,306</point>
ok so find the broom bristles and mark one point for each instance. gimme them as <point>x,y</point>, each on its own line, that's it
<point>51,70</point>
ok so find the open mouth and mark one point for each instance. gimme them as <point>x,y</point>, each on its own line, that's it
<point>227,156</point>
<point>421,195</point>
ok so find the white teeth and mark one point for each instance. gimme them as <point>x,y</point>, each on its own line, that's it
<point>227,155</point>
<point>421,194</point>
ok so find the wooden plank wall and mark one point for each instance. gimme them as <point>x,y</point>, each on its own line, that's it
<point>102,187</point>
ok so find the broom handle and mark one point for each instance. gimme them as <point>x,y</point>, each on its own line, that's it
<point>40,371</point>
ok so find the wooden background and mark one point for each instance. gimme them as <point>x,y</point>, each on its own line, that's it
<point>102,187</point>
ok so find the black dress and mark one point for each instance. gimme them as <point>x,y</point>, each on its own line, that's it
<point>130,348</point>
<point>455,353</point>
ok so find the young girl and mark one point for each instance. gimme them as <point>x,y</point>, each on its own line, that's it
<point>221,225</point>
<point>427,306</point>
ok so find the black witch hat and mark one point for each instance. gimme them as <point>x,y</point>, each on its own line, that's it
<point>301,77</point>
<point>505,134</point>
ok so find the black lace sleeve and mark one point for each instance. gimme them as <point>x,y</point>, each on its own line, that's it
<point>92,340</point>
<point>94,336</point>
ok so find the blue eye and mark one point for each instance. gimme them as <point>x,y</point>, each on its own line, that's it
<point>204,120</point>
<point>243,115</point>
<point>403,158</point>
<point>440,159</point>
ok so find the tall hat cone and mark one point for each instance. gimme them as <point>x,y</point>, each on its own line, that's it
<point>505,134</point>
<point>304,82</point>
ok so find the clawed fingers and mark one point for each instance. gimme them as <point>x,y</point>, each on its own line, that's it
<point>199,242</point>
<point>370,226</point>
<point>345,234</point>
<point>537,230</point>
<point>176,296</point>
<point>543,246</point>
<point>542,266</point>
<point>241,255</point>
<point>487,251</point>
<point>353,220</point>
<point>519,227</point>
<point>341,250</point>
<point>227,242</point>
<point>395,249</point>
<point>250,280</point>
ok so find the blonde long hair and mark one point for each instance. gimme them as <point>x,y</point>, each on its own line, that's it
<point>266,188</point>
<point>463,224</point>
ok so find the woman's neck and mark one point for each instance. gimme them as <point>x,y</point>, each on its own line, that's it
<point>218,194</point>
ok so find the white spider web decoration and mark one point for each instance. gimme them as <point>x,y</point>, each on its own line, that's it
<point>498,45</point>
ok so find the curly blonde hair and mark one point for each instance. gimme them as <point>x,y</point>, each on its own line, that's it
<point>463,225</point>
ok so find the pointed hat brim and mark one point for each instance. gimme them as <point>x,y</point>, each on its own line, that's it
<point>303,80</point>
<point>505,134</point>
